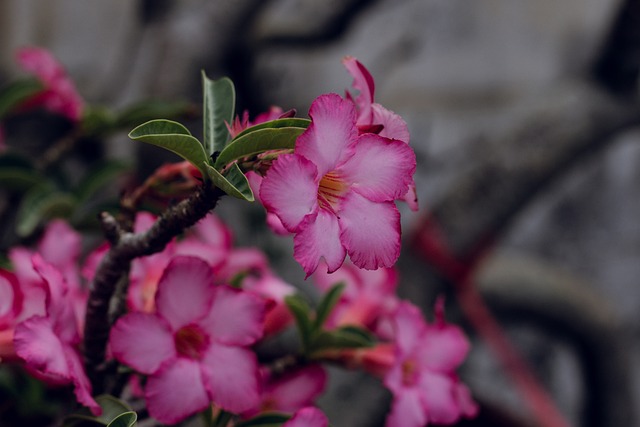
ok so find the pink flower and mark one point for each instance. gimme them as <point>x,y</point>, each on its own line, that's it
<point>337,187</point>
<point>48,341</point>
<point>10,307</point>
<point>194,348</point>
<point>373,117</point>
<point>308,417</point>
<point>368,298</point>
<point>423,381</point>
<point>59,95</point>
<point>291,391</point>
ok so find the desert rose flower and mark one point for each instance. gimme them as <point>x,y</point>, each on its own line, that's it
<point>373,117</point>
<point>422,380</point>
<point>48,341</point>
<point>291,391</point>
<point>59,95</point>
<point>338,186</point>
<point>194,347</point>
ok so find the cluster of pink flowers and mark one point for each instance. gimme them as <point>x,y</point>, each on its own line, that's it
<point>197,310</point>
<point>416,360</point>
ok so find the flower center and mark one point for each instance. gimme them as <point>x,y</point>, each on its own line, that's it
<point>409,372</point>
<point>331,191</point>
<point>191,341</point>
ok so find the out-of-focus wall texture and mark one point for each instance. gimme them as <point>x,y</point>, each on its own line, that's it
<point>522,113</point>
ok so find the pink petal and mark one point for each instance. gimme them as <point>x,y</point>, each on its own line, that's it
<point>10,298</point>
<point>358,218</point>
<point>231,375</point>
<point>297,389</point>
<point>319,238</point>
<point>81,384</point>
<point>394,126</point>
<point>409,327</point>
<point>214,232</point>
<point>438,395</point>
<point>236,317</point>
<point>327,141</point>
<point>37,344</point>
<point>60,244</point>
<point>363,82</point>
<point>411,198</point>
<point>308,417</point>
<point>143,222</point>
<point>407,410</point>
<point>444,347</point>
<point>380,169</point>
<point>290,190</point>
<point>185,291</point>
<point>176,392</point>
<point>142,341</point>
<point>39,62</point>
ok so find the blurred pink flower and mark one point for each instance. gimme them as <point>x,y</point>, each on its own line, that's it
<point>308,417</point>
<point>274,112</point>
<point>336,187</point>
<point>290,392</point>
<point>59,94</point>
<point>422,380</point>
<point>373,117</point>
<point>368,298</point>
<point>48,341</point>
<point>194,347</point>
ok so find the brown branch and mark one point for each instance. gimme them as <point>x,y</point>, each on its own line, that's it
<point>115,265</point>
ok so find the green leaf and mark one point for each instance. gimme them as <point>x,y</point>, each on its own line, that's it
<point>98,121</point>
<point>98,178</point>
<point>234,182</point>
<point>115,413</point>
<point>266,420</point>
<point>174,137</point>
<point>289,122</point>
<point>112,407</point>
<point>327,303</point>
<point>301,311</point>
<point>20,179</point>
<point>259,141</point>
<point>344,337</point>
<point>17,92</point>
<point>42,203</point>
<point>126,419</point>
<point>143,111</point>
<point>219,99</point>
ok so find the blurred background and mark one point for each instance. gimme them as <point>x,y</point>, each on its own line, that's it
<point>524,116</point>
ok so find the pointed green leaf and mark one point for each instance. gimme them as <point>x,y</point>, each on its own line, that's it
<point>259,141</point>
<point>115,413</point>
<point>126,419</point>
<point>301,311</point>
<point>327,303</point>
<point>42,203</point>
<point>234,182</point>
<point>266,420</point>
<point>344,337</point>
<point>98,178</point>
<point>289,122</point>
<point>17,92</point>
<point>19,179</point>
<point>112,407</point>
<point>174,137</point>
<point>219,104</point>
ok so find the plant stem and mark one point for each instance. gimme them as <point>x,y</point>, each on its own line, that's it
<point>125,247</point>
